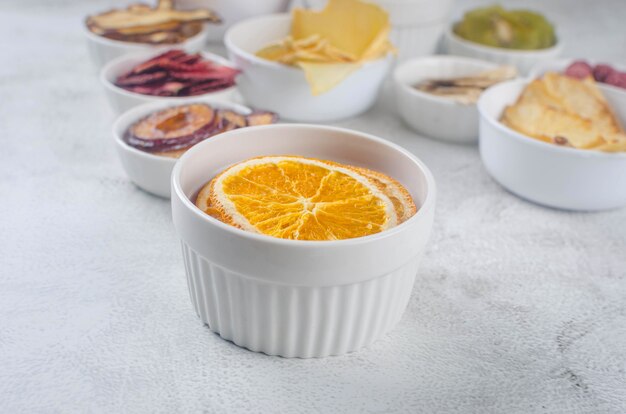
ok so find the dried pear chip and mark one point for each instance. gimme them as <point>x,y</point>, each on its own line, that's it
<point>322,77</point>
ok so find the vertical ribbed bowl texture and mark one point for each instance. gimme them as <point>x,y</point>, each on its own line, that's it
<point>299,298</point>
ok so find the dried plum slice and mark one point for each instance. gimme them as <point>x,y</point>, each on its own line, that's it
<point>261,118</point>
<point>233,118</point>
<point>173,128</point>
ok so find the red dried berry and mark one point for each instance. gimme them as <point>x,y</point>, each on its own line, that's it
<point>579,69</point>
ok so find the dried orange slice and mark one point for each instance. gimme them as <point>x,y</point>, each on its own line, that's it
<point>305,199</point>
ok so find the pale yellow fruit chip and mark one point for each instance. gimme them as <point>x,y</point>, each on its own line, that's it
<point>582,98</point>
<point>541,121</point>
<point>324,76</point>
<point>352,26</point>
<point>566,111</point>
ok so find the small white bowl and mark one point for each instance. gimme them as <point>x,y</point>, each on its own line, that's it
<point>436,116</point>
<point>152,172</point>
<point>547,174</point>
<point>122,100</point>
<point>417,40</point>
<point>103,50</point>
<point>284,89</point>
<point>233,11</point>
<point>299,298</point>
<point>524,60</point>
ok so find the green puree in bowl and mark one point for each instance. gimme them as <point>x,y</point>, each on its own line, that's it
<point>509,29</point>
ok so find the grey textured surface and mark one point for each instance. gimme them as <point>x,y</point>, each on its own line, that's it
<point>517,308</point>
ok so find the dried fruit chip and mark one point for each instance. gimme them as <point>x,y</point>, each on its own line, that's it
<point>171,131</point>
<point>176,73</point>
<point>142,24</point>
<point>566,111</point>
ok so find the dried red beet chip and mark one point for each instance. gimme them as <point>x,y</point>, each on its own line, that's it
<point>205,87</point>
<point>188,59</point>
<point>579,69</point>
<point>193,76</point>
<point>170,54</point>
<point>143,79</point>
<point>175,73</point>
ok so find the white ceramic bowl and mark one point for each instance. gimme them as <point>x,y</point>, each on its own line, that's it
<point>233,11</point>
<point>284,89</point>
<point>524,60</point>
<point>151,172</point>
<point>431,115</point>
<point>122,100</point>
<point>103,50</point>
<point>299,298</point>
<point>547,174</point>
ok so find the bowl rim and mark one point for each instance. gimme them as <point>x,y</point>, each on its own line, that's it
<point>426,206</point>
<point>106,69</point>
<point>236,50</point>
<point>132,115</point>
<point>519,137</point>
<point>430,97</point>
<point>138,45</point>
<point>558,45</point>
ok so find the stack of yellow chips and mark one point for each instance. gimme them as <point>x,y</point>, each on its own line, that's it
<point>331,44</point>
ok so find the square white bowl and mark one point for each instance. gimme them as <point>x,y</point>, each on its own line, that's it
<point>548,174</point>
<point>299,298</point>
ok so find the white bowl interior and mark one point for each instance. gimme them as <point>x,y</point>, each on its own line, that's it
<point>253,34</point>
<point>438,67</point>
<point>501,51</point>
<point>208,158</point>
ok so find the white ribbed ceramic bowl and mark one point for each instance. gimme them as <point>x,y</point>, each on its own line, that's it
<point>548,174</point>
<point>233,11</point>
<point>103,50</point>
<point>122,100</point>
<point>524,60</point>
<point>435,116</point>
<point>299,298</point>
<point>151,172</point>
<point>283,89</point>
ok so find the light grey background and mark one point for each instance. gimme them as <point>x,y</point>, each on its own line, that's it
<point>517,308</point>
